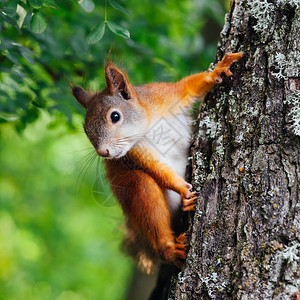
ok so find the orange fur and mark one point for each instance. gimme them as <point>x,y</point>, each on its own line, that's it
<point>144,205</point>
<point>138,179</point>
<point>162,173</point>
<point>160,99</point>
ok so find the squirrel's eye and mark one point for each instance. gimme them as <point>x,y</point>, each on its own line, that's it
<point>115,117</point>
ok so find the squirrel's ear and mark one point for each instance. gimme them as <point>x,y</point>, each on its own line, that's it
<point>81,96</point>
<point>117,81</point>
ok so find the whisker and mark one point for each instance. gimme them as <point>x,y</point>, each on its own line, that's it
<point>85,156</point>
<point>98,166</point>
<point>79,150</point>
<point>88,156</point>
<point>91,156</point>
<point>119,147</point>
<point>139,135</point>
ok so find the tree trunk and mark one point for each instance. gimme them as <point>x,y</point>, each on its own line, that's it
<point>245,236</point>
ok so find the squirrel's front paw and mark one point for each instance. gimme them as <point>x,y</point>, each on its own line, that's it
<point>189,198</point>
<point>224,65</point>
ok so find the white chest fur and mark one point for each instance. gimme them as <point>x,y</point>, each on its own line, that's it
<point>169,138</point>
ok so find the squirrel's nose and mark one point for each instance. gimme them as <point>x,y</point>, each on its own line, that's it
<point>103,152</point>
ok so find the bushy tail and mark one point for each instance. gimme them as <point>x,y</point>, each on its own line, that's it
<point>138,247</point>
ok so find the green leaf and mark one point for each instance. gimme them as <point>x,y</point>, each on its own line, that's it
<point>36,3</point>
<point>30,116</point>
<point>39,104</point>
<point>87,5</point>
<point>28,58</point>
<point>117,29</point>
<point>50,3</point>
<point>38,23</point>
<point>8,19</point>
<point>8,117</point>
<point>12,58</point>
<point>96,34</point>
<point>119,7</point>
<point>10,10</point>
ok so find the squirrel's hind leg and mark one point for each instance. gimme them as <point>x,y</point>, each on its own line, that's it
<point>147,212</point>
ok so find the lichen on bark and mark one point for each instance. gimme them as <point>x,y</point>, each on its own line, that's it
<point>245,237</point>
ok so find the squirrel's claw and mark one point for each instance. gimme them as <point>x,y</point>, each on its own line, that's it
<point>182,238</point>
<point>180,254</point>
<point>228,73</point>
<point>189,204</point>
<point>224,65</point>
<point>189,198</point>
<point>189,208</point>
<point>181,249</point>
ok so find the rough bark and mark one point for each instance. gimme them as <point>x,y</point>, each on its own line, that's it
<point>245,237</point>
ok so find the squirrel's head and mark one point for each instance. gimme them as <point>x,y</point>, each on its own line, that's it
<point>115,121</point>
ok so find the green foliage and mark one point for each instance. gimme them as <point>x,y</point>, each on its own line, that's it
<point>87,5</point>
<point>45,44</point>
<point>96,34</point>
<point>57,242</point>
<point>119,7</point>
<point>38,23</point>
<point>115,28</point>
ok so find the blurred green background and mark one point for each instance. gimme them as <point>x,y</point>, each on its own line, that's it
<point>60,228</point>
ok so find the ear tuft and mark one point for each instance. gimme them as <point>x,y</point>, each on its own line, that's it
<point>117,81</point>
<point>81,96</point>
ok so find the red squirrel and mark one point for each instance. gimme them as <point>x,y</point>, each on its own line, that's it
<point>148,183</point>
